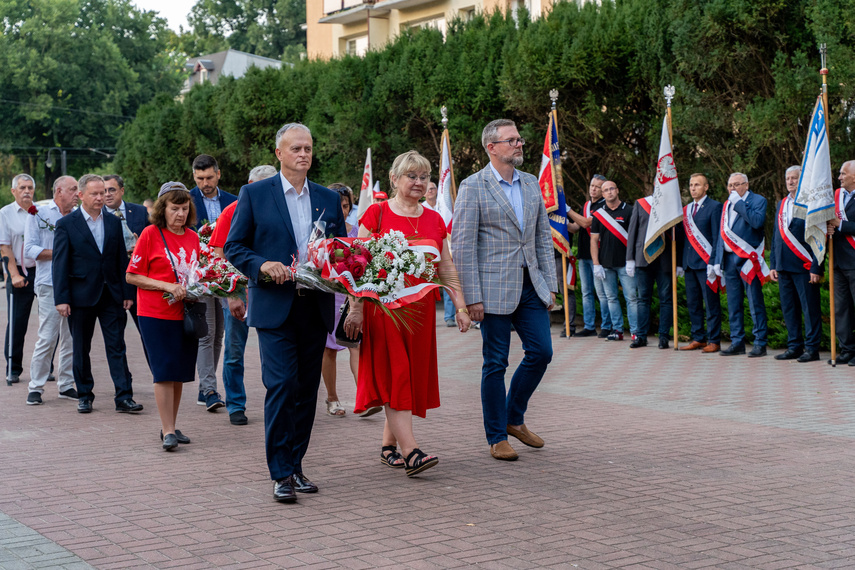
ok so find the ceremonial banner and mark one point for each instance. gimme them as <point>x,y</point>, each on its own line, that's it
<point>666,206</point>
<point>552,188</point>
<point>815,196</point>
<point>445,188</point>
<point>366,197</point>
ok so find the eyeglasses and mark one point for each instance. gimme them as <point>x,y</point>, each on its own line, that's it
<point>736,184</point>
<point>512,142</point>
<point>413,177</point>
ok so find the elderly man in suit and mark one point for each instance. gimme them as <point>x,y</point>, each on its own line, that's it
<point>89,263</point>
<point>701,220</point>
<point>842,231</point>
<point>271,226</point>
<point>503,250</point>
<point>795,268</point>
<point>739,258</point>
<point>210,202</point>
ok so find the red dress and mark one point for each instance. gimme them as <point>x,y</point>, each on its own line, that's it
<point>398,366</point>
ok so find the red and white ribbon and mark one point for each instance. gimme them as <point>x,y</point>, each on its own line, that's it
<point>612,225</point>
<point>797,248</point>
<point>645,203</point>
<point>571,272</point>
<point>702,246</point>
<point>586,213</point>
<point>841,212</point>
<point>755,264</point>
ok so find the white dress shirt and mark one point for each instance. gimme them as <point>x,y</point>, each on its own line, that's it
<point>13,220</point>
<point>96,226</point>
<point>696,205</point>
<point>39,237</point>
<point>300,210</point>
<point>121,208</point>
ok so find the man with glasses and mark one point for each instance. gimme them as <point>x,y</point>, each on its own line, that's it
<point>502,246</point>
<point>739,259</point>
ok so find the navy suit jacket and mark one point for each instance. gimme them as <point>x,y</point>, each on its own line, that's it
<point>80,271</point>
<point>748,225</point>
<point>262,231</point>
<point>201,211</point>
<point>708,220</point>
<point>844,254</point>
<point>782,258</point>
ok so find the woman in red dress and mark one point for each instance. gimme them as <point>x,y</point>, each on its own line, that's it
<point>397,367</point>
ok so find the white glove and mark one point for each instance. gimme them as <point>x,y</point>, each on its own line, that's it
<point>710,272</point>
<point>734,197</point>
<point>599,272</point>
<point>680,272</point>
<point>630,268</point>
<point>717,269</point>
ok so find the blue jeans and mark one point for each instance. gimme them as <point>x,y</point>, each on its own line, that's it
<point>449,306</point>
<point>589,287</point>
<point>736,290</point>
<point>531,322</point>
<point>630,293</point>
<point>645,277</point>
<point>236,332</point>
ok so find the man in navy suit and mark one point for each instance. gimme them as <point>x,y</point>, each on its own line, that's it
<point>739,251</point>
<point>271,227</point>
<point>89,263</point>
<point>842,230</point>
<point>797,272</point>
<point>701,230</point>
<point>210,202</point>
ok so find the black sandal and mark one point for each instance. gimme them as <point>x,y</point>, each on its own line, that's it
<point>421,462</point>
<point>390,458</point>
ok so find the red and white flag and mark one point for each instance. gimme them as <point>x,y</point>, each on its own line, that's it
<point>444,192</point>
<point>666,205</point>
<point>366,197</point>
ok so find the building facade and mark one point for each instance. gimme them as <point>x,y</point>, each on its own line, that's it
<point>209,68</point>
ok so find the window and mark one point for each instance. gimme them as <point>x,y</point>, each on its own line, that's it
<point>357,46</point>
<point>435,23</point>
<point>203,75</point>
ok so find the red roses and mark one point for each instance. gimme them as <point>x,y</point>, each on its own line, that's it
<point>354,259</point>
<point>33,210</point>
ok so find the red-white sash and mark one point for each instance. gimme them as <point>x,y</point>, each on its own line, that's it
<point>612,225</point>
<point>571,272</point>
<point>701,245</point>
<point>645,203</point>
<point>789,239</point>
<point>755,264</point>
<point>841,212</point>
<point>586,213</point>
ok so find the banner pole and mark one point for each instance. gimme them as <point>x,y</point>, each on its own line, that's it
<point>823,72</point>
<point>669,94</point>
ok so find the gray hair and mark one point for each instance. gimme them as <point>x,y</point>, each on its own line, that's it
<point>287,127</point>
<point>60,180</point>
<point>491,131</point>
<point>598,177</point>
<point>23,177</point>
<point>793,169</point>
<point>86,179</point>
<point>262,172</point>
<point>745,176</point>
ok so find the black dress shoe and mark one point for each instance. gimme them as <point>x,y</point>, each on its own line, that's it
<point>283,491</point>
<point>84,406</point>
<point>757,351</point>
<point>663,343</point>
<point>302,484</point>
<point>238,418</point>
<point>638,342</point>
<point>733,349</point>
<point>128,406</point>
<point>178,435</point>
<point>844,358</point>
<point>808,356</point>
<point>586,332</point>
<point>564,333</point>
<point>170,442</point>
<point>790,354</point>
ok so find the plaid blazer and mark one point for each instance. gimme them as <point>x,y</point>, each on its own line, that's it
<point>489,248</point>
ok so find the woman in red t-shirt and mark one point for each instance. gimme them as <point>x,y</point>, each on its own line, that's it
<point>171,354</point>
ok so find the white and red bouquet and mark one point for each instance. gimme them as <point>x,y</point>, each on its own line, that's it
<point>211,276</point>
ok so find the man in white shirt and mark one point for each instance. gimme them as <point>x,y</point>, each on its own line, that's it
<point>20,276</point>
<point>38,245</point>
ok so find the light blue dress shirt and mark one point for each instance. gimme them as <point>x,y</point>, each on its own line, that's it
<point>212,206</point>
<point>300,210</point>
<point>96,226</point>
<point>513,191</point>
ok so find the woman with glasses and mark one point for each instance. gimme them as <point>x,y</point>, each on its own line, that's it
<point>397,367</point>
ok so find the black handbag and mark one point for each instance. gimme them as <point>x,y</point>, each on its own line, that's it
<point>340,336</point>
<point>195,319</point>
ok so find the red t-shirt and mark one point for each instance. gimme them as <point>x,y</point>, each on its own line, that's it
<point>224,224</point>
<point>149,260</point>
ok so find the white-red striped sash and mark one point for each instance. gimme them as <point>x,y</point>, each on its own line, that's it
<point>789,239</point>
<point>612,225</point>
<point>701,245</point>
<point>755,264</point>
<point>586,213</point>
<point>841,212</point>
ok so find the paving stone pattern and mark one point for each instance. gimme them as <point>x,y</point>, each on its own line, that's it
<point>653,459</point>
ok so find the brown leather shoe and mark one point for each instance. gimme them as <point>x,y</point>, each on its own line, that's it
<point>503,451</point>
<point>711,348</point>
<point>694,345</point>
<point>525,435</point>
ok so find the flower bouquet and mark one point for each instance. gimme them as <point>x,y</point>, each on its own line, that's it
<point>216,278</point>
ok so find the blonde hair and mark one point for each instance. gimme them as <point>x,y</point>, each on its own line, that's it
<point>410,161</point>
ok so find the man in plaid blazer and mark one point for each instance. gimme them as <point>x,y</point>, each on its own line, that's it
<point>503,252</point>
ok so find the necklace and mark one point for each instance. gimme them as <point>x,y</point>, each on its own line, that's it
<point>410,218</point>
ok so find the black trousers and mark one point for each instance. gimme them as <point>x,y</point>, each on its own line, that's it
<point>19,303</point>
<point>844,308</point>
<point>112,317</point>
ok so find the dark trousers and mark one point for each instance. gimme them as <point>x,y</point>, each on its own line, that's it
<point>799,297</point>
<point>645,278</point>
<point>736,292</point>
<point>111,315</point>
<point>19,302</point>
<point>844,308</point>
<point>698,296</point>
<point>291,357</point>
<point>531,322</point>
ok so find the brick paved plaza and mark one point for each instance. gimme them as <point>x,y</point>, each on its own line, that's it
<point>653,459</point>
